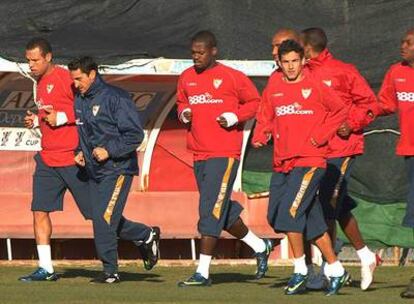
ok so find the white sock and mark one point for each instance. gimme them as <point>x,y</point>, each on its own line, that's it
<point>45,257</point>
<point>204,265</point>
<point>366,256</point>
<point>256,243</point>
<point>334,270</point>
<point>300,265</point>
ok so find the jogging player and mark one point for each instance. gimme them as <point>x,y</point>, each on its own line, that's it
<point>348,142</point>
<point>56,170</point>
<point>215,100</point>
<point>301,115</point>
<point>110,132</point>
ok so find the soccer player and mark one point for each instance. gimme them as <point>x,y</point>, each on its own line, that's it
<point>215,100</point>
<point>397,95</point>
<point>280,36</point>
<point>56,170</point>
<point>348,142</point>
<point>302,115</point>
<point>110,132</point>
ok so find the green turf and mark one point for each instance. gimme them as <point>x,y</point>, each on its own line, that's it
<point>231,284</point>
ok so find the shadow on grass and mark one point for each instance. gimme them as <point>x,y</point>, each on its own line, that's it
<point>72,273</point>
<point>231,277</point>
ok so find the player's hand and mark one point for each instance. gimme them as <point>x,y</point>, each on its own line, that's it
<point>51,117</point>
<point>314,142</point>
<point>80,160</point>
<point>29,119</point>
<point>257,144</point>
<point>188,115</point>
<point>100,154</point>
<point>344,130</point>
<point>222,121</point>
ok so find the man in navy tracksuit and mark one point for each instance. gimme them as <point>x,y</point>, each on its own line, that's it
<point>110,132</point>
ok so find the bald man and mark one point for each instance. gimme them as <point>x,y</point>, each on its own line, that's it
<point>280,36</point>
<point>397,95</point>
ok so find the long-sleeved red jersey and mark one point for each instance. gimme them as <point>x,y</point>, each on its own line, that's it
<point>397,93</point>
<point>295,113</point>
<point>357,96</point>
<point>58,143</point>
<point>209,94</point>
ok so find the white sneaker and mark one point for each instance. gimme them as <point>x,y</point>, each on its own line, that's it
<point>367,272</point>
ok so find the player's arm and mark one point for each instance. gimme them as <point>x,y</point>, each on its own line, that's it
<point>364,102</point>
<point>387,97</point>
<point>129,127</point>
<point>249,100</point>
<point>336,115</point>
<point>264,122</point>
<point>183,106</point>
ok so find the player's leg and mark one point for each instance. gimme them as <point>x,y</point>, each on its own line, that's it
<point>48,191</point>
<point>300,189</point>
<point>109,197</point>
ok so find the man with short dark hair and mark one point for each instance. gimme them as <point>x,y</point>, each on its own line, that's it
<point>301,115</point>
<point>56,171</point>
<point>215,100</point>
<point>397,95</point>
<point>348,142</point>
<point>110,132</point>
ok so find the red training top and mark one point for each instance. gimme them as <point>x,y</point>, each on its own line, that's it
<point>397,93</point>
<point>58,143</point>
<point>209,94</point>
<point>295,113</point>
<point>357,96</point>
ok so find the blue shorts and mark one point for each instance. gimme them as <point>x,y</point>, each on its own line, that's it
<point>333,190</point>
<point>51,183</point>
<point>215,179</point>
<point>292,204</point>
<point>408,220</point>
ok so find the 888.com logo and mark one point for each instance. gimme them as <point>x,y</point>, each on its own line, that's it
<point>292,109</point>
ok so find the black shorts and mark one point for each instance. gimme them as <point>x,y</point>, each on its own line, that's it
<point>292,203</point>
<point>51,183</point>
<point>215,179</point>
<point>333,190</point>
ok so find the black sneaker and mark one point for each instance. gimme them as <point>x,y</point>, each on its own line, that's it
<point>196,280</point>
<point>262,259</point>
<point>150,249</point>
<point>40,274</point>
<point>106,278</point>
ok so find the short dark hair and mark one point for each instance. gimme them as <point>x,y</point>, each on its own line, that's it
<point>316,38</point>
<point>205,36</point>
<point>86,64</point>
<point>41,43</point>
<point>288,46</point>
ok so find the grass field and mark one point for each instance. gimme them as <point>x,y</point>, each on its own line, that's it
<point>231,284</point>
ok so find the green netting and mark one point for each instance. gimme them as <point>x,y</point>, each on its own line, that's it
<point>380,224</point>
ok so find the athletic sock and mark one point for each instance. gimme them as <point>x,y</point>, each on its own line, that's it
<point>366,256</point>
<point>45,257</point>
<point>300,265</point>
<point>334,270</point>
<point>204,265</point>
<point>256,243</point>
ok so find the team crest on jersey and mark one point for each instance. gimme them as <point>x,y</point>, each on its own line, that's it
<point>217,83</point>
<point>306,93</point>
<point>49,88</point>
<point>327,82</point>
<point>95,109</point>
